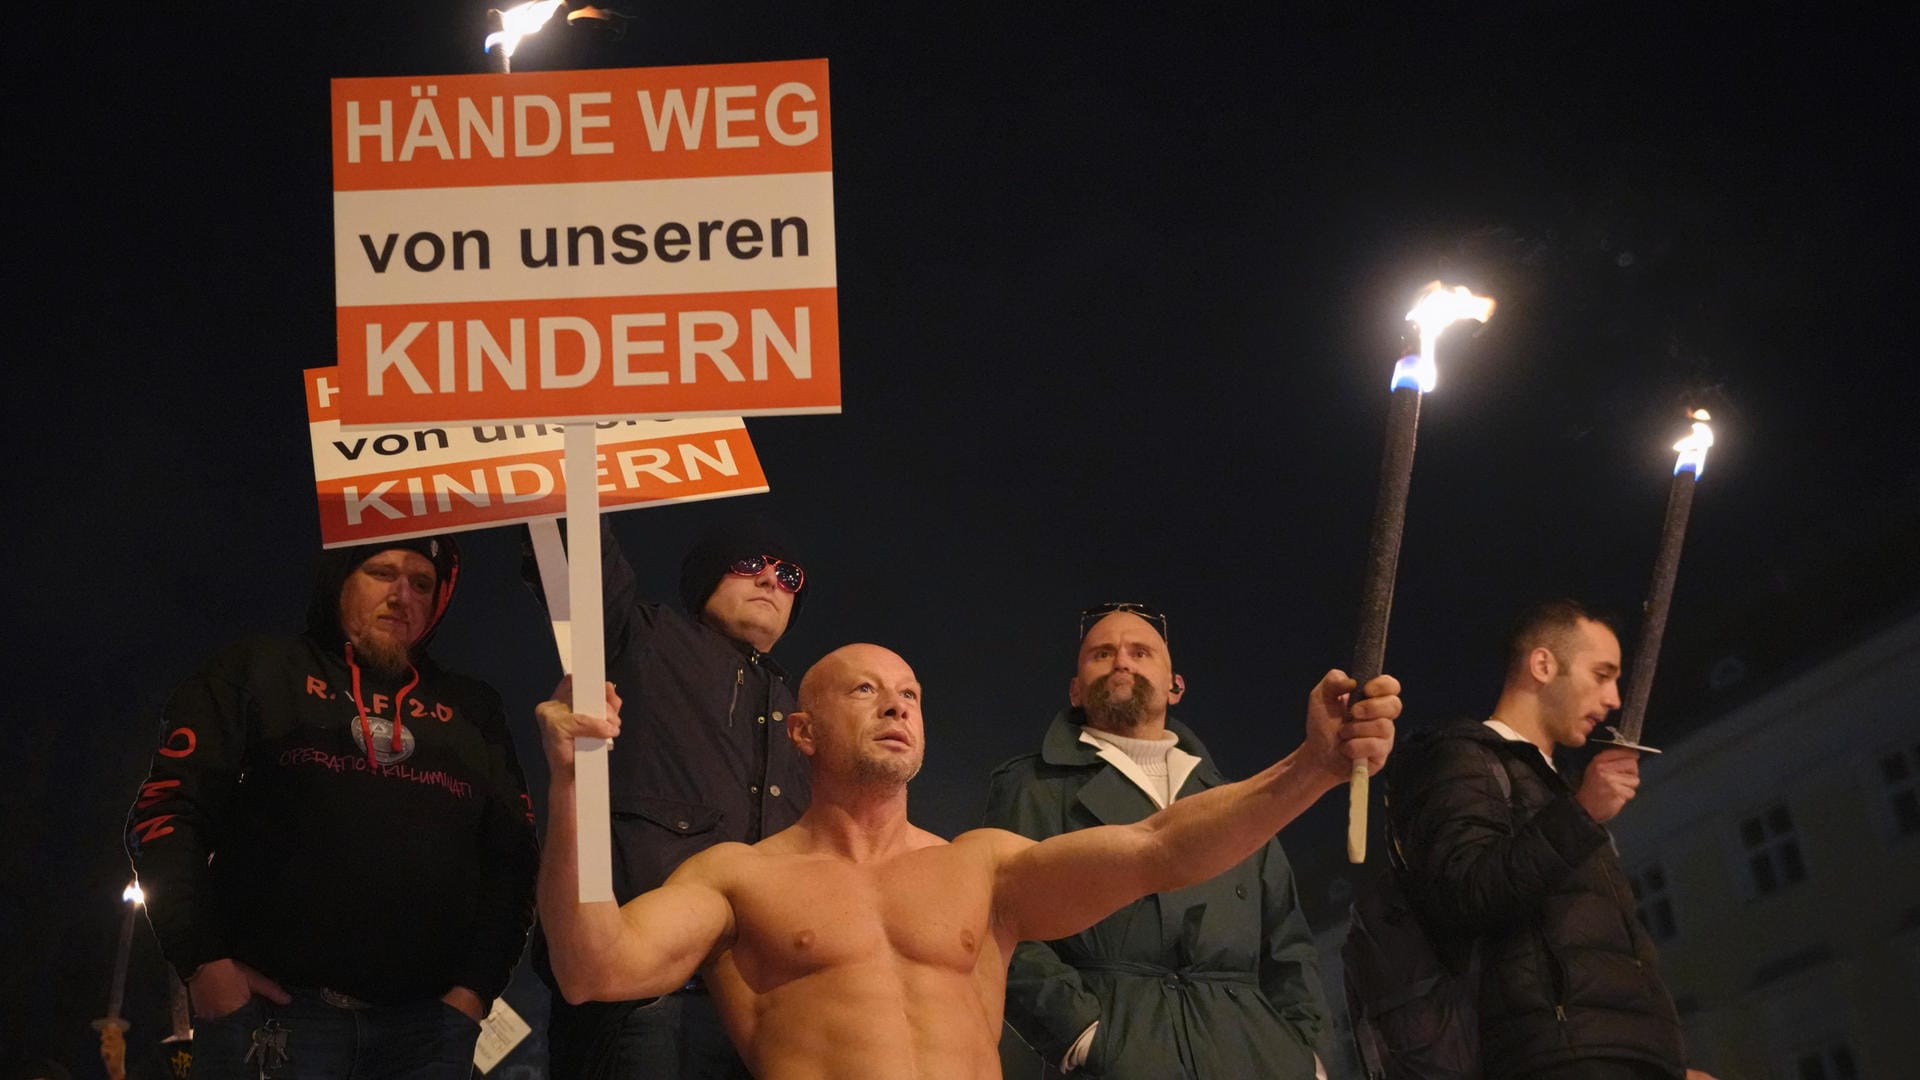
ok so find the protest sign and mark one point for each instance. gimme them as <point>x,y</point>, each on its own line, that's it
<point>579,245</point>
<point>386,484</point>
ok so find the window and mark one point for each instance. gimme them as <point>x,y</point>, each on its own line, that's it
<point>1833,1061</point>
<point>1773,852</point>
<point>1655,903</point>
<point>1900,775</point>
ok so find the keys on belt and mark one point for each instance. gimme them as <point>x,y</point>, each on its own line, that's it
<point>268,1053</point>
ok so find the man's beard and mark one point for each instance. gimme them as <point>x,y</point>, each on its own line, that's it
<point>381,653</point>
<point>1122,716</point>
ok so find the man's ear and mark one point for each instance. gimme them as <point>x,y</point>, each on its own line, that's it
<point>1541,664</point>
<point>1074,697</point>
<point>800,731</point>
<point>1177,691</point>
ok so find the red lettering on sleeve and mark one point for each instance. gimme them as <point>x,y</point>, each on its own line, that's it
<point>154,827</point>
<point>153,792</point>
<point>169,750</point>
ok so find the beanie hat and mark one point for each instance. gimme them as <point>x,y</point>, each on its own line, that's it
<point>727,543</point>
<point>338,565</point>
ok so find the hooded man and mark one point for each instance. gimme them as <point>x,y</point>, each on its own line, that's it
<point>335,839</point>
<point>1148,990</point>
<point>705,760</point>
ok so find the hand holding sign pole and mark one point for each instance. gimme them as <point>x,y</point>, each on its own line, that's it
<point>1687,468</point>
<point>592,812</point>
<point>570,588</point>
<point>1413,377</point>
<point>579,626</point>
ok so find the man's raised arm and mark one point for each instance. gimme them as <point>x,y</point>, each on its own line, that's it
<point>1064,884</point>
<point>604,951</point>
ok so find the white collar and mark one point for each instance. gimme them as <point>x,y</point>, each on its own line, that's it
<point>1511,735</point>
<point>1180,765</point>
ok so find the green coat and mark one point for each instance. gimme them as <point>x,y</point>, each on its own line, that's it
<point>1217,981</point>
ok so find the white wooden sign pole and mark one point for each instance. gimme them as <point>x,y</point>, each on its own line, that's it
<point>584,639</point>
<point>551,557</point>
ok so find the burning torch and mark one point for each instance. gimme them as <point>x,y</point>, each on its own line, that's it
<point>113,1027</point>
<point>515,23</point>
<point>521,20</point>
<point>1687,468</point>
<point>1437,308</point>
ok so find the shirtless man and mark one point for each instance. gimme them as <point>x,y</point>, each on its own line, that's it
<point>854,945</point>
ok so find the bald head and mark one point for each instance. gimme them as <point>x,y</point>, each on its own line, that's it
<point>843,662</point>
<point>859,717</point>
<point>1124,677</point>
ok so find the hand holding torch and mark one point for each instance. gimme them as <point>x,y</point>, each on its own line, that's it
<point>112,1027</point>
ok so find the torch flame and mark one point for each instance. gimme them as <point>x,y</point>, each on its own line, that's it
<point>1693,448</point>
<point>1437,308</point>
<point>519,21</point>
<point>133,894</point>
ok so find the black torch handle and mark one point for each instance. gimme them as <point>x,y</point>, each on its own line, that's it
<point>1389,523</point>
<point>1653,626</point>
<point>1376,592</point>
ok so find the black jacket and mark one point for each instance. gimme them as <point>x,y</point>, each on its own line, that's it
<point>703,755</point>
<point>268,830</point>
<point>1568,971</point>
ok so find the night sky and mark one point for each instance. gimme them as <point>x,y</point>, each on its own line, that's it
<point>1119,295</point>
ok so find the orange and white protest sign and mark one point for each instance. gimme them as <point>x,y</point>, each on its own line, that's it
<point>386,484</point>
<point>578,245</point>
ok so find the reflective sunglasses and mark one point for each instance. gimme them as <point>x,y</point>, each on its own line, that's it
<point>787,575</point>
<point>1089,616</point>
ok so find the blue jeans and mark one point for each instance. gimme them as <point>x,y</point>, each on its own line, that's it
<point>677,1037</point>
<point>418,1040</point>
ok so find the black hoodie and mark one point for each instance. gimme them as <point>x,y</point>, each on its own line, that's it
<point>269,831</point>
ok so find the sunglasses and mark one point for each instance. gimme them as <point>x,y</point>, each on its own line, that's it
<point>1089,616</point>
<point>787,575</point>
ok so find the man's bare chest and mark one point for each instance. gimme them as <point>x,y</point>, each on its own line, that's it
<point>799,916</point>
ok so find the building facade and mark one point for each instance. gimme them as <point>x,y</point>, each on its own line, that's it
<point>1775,853</point>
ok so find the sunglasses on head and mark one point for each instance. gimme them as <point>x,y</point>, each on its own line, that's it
<point>787,575</point>
<point>1094,614</point>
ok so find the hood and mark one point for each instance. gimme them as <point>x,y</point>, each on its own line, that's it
<point>332,567</point>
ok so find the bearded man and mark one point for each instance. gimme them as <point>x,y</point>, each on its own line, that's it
<point>1150,990</point>
<point>335,839</point>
